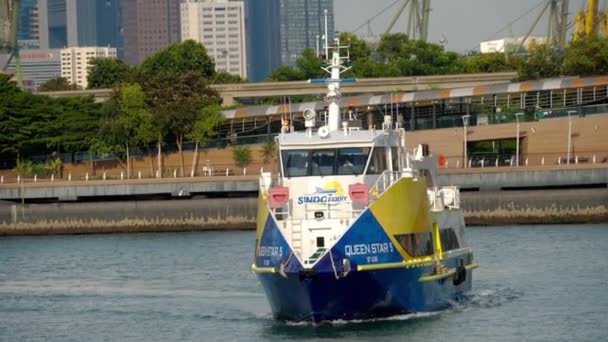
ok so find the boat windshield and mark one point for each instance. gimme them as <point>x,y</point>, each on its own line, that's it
<point>325,162</point>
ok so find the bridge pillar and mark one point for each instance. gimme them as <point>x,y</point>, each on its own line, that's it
<point>227,99</point>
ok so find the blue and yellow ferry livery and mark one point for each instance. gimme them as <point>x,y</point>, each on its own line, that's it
<point>356,226</point>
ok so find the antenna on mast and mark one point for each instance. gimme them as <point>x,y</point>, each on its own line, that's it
<point>326,36</point>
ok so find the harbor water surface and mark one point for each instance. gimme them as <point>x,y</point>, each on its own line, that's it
<point>535,283</point>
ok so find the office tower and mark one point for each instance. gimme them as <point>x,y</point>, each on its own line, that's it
<point>149,26</point>
<point>28,21</point>
<point>75,62</point>
<point>109,25</point>
<point>55,19</point>
<point>301,22</point>
<point>67,23</point>
<point>263,38</point>
<point>220,26</point>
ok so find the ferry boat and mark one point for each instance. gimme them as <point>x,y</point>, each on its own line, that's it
<point>355,225</point>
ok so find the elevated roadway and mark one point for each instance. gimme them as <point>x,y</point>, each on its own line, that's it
<point>230,93</point>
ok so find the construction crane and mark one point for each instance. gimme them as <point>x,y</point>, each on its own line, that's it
<point>591,21</point>
<point>418,19</point>
<point>558,23</point>
<point>9,22</point>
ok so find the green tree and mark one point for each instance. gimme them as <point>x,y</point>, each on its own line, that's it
<point>588,56</point>
<point>269,150</point>
<point>241,155</point>
<point>58,84</point>
<point>108,73</point>
<point>310,65</point>
<point>486,62</point>
<point>176,99</point>
<point>359,48</point>
<point>207,120</point>
<point>180,58</point>
<point>224,77</point>
<point>70,123</point>
<point>390,46</point>
<point>544,62</point>
<point>127,123</point>
<point>286,73</point>
<point>422,58</point>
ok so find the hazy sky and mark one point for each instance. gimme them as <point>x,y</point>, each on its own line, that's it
<point>464,23</point>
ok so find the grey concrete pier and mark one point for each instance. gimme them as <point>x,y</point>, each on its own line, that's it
<point>234,185</point>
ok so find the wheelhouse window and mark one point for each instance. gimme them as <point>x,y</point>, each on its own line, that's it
<point>295,163</point>
<point>377,164</point>
<point>351,161</point>
<point>325,162</point>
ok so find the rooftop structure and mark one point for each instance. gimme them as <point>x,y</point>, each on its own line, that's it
<point>506,45</point>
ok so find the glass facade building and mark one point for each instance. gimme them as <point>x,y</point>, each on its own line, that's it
<point>27,26</point>
<point>56,13</point>
<point>301,22</point>
<point>263,38</point>
<point>66,23</point>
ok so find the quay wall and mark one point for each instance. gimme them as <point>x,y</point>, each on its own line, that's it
<point>480,208</point>
<point>491,179</point>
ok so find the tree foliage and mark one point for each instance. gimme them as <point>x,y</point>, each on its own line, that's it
<point>108,73</point>
<point>224,77</point>
<point>58,84</point>
<point>206,122</point>
<point>544,62</point>
<point>32,123</point>
<point>241,155</point>
<point>487,62</point>
<point>179,58</point>
<point>588,56</point>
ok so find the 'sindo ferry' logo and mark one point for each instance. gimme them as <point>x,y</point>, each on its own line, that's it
<point>331,194</point>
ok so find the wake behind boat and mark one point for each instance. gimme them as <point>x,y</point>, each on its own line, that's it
<point>356,225</point>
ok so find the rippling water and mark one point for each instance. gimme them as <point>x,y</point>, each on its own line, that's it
<point>535,283</point>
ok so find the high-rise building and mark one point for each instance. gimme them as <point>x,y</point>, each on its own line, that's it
<point>53,15</point>
<point>279,30</point>
<point>109,25</point>
<point>75,62</point>
<point>263,38</point>
<point>302,21</point>
<point>220,26</point>
<point>67,23</point>
<point>37,67</point>
<point>28,20</point>
<point>149,26</point>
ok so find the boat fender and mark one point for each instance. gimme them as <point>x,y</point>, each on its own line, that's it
<point>460,276</point>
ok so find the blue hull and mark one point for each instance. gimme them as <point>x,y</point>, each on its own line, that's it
<point>319,296</point>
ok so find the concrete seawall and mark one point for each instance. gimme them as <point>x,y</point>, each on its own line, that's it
<point>128,216</point>
<point>481,208</point>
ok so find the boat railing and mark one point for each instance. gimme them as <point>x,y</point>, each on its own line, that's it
<point>387,179</point>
